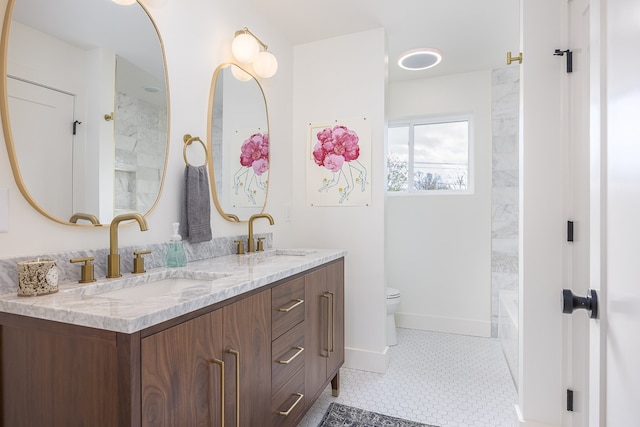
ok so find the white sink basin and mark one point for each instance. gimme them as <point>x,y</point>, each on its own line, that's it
<point>282,253</point>
<point>138,292</point>
<point>139,288</point>
<point>295,252</point>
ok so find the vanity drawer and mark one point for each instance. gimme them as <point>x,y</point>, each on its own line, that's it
<point>287,356</point>
<point>287,305</point>
<point>288,403</point>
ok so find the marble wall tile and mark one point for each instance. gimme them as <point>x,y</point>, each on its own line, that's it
<point>219,246</point>
<point>505,186</point>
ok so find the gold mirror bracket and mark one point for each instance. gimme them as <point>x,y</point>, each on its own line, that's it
<point>511,59</point>
<point>108,117</point>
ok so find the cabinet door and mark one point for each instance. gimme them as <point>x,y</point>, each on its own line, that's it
<point>247,356</point>
<point>57,375</point>
<point>181,381</point>
<point>316,332</point>
<point>335,287</point>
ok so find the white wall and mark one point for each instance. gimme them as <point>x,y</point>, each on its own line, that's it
<point>195,43</point>
<point>438,247</point>
<point>330,83</point>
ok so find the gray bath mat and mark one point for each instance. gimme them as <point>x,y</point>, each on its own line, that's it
<point>338,415</point>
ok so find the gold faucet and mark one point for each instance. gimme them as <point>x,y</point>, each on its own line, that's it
<point>251,246</point>
<point>113,259</point>
<point>80,215</point>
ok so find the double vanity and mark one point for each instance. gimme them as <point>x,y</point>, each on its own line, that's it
<point>249,340</point>
<point>236,340</point>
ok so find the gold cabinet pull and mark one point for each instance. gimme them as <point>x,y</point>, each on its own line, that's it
<point>237,355</point>
<point>285,413</point>
<point>327,295</point>
<point>511,59</point>
<point>286,362</point>
<point>295,304</point>
<point>221,364</point>
<point>332,331</point>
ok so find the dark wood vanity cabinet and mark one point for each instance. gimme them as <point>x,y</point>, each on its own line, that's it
<point>182,368</point>
<point>324,328</point>
<point>182,373</point>
<point>55,374</point>
<point>263,356</point>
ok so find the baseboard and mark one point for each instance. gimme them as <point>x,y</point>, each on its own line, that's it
<point>366,360</point>
<point>519,422</point>
<point>448,325</point>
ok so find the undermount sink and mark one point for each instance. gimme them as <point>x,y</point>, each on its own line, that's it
<point>152,289</point>
<point>281,253</point>
<point>169,283</point>
<point>295,252</point>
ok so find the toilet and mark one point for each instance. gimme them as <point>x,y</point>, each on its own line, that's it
<point>393,300</point>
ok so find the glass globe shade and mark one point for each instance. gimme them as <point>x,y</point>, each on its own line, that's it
<point>244,47</point>
<point>155,3</point>
<point>266,64</point>
<point>124,2</point>
<point>240,74</point>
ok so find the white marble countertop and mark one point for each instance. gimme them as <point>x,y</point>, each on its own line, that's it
<point>200,284</point>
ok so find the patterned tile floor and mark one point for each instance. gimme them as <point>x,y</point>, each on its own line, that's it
<point>434,378</point>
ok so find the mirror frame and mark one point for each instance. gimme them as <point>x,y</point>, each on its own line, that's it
<point>6,122</point>
<point>232,217</point>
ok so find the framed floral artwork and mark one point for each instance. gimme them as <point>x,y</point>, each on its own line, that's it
<point>247,173</point>
<point>339,162</point>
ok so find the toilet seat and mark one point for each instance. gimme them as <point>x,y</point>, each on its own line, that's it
<point>393,293</point>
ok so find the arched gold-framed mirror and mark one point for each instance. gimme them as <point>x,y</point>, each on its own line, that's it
<point>238,140</point>
<point>85,107</point>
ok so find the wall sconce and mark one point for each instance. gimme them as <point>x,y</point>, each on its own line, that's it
<point>246,49</point>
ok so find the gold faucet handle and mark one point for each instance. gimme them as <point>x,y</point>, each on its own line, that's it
<point>240,249</point>
<point>260,244</point>
<point>138,262</point>
<point>86,270</point>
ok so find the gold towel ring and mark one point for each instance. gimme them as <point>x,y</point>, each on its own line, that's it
<point>188,139</point>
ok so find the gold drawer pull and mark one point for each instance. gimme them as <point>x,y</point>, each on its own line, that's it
<point>221,364</point>
<point>236,353</point>
<point>288,309</point>
<point>286,362</point>
<point>285,413</point>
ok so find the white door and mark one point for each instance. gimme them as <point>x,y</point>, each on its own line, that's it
<point>41,124</point>
<point>576,326</point>
<point>615,340</point>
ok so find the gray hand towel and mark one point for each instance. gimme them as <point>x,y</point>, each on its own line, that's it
<point>195,218</point>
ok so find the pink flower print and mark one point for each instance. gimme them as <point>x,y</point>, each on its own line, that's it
<point>318,154</point>
<point>337,142</point>
<point>260,166</point>
<point>255,149</point>
<point>333,162</point>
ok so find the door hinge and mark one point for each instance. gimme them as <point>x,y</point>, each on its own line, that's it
<point>569,231</point>
<point>570,400</point>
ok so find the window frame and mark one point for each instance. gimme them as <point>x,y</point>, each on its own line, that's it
<point>431,120</point>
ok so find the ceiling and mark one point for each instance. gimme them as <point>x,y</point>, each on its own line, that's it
<point>471,34</point>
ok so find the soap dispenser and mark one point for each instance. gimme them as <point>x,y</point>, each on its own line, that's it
<point>175,252</point>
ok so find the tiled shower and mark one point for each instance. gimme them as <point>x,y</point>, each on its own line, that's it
<point>504,228</point>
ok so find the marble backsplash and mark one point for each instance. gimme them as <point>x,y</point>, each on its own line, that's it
<point>70,272</point>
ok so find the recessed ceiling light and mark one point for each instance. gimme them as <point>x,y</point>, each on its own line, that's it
<point>420,59</point>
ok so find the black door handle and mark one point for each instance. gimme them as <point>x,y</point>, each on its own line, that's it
<point>571,302</point>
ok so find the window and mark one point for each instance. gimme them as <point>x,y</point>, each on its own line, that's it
<point>428,156</point>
